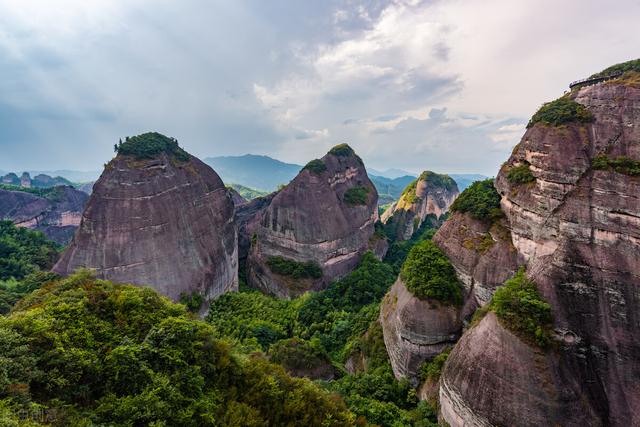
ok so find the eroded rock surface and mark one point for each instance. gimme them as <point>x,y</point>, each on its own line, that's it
<point>416,330</point>
<point>162,222</point>
<point>578,230</point>
<point>325,215</point>
<point>430,194</point>
<point>57,214</point>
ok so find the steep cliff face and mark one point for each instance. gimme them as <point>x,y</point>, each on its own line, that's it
<point>430,193</point>
<point>56,211</point>
<point>570,195</point>
<point>161,220</point>
<point>482,254</point>
<point>324,218</point>
<point>416,330</point>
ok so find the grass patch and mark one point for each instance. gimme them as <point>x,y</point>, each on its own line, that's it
<point>297,270</point>
<point>562,110</point>
<point>622,164</point>
<point>520,174</point>
<point>480,199</point>
<point>316,166</point>
<point>428,274</point>
<point>148,145</point>
<point>355,196</point>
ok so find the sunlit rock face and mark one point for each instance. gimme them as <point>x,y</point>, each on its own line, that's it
<point>577,229</point>
<point>325,215</point>
<point>430,194</point>
<point>161,222</point>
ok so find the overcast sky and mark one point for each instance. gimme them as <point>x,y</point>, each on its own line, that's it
<point>440,85</point>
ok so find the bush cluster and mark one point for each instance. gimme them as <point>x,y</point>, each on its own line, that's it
<point>357,195</point>
<point>622,164</point>
<point>432,370</point>
<point>342,150</point>
<point>562,110</point>
<point>148,145</point>
<point>480,199</point>
<point>297,270</point>
<point>633,65</point>
<point>193,301</point>
<point>521,309</point>
<point>23,251</point>
<point>520,174</point>
<point>316,166</point>
<point>438,180</point>
<point>428,274</point>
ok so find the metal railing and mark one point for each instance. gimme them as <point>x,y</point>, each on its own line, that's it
<point>593,80</point>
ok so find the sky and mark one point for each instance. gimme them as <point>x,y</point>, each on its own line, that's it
<point>440,85</point>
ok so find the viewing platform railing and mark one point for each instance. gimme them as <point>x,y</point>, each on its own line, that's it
<point>593,80</point>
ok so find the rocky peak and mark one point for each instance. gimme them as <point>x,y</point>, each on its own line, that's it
<point>323,218</point>
<point>569,193</point>
<point>159,217</point>
<point>429,194</point>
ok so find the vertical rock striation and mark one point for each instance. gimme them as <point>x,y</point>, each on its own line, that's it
<point>161,219</point>
<point>324,216</point>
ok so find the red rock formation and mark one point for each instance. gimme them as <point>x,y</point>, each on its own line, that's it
<point>429,194</point>
<point>164,222</point>
<point>326,215</point>
<point>578,230</point>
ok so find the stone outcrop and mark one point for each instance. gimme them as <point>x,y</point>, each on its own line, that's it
<point>577,228</point>
<point>416,330</point>
<point>429,194</point>
<point>163,221</point>
<point>325,215</point>
<point>482,254</point>
<point>56,212</point>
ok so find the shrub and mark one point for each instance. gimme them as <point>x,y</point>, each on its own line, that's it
<point>562,110</point>
<point>148,145</point>
<point>357,195</point>
<point>409,193</point>
<point>520,174</point>
<point>633,65</point>
<point>297,270</point>
<point>342,150</point>
<point>438,180</point>
<point>296,354</point>
<point>431,370</point>
<point>521,309</point>
<point>316,166</point>
<point>23,251</point>
<point>622,164</point>
<point>192,301</point>
<point>428,274</point>
<point>480,199</point>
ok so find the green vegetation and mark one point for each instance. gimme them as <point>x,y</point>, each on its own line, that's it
<point>90,352</point>
<point>23,251</point>
<point>298,355</point>
<point>54,194</point>
<point>192,301</point>
<point>409,193</point>
<point>297,270</point>
<point>520,174</point>
<point>342,150</point>
<point>562,110</point>
<point>480,199</point>
<point>633,66</point>
<point>246,192</point>
<point>316,166</point>
<point>428,274</point>
<point>521,309</point>
<point>148,145</point>
<point>399,250</point>
<point>622,164</point>
<point>438,180</point>
<point>357,195</point>
<point>432,370</point>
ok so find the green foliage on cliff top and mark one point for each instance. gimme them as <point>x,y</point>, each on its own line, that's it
<point>23,251</point>
<point>438,180</point>
<point>148,145</point>
<point>316,166</point>
<point>562,110</point>
<point>622,164</point>
<point>520,174</point>
<point>520,307</point>
<point>54,194</point>
<point>297,270</point>
<point>633,65</point>
<point>480,199</point>
<point>357,195</point>
<point>342,150</point>
<point>428,274</point>
<point>104,354</point>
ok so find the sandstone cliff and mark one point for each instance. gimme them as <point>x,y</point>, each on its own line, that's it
<point>430,193</point>
<point>315,229</point>
<point>570,195</point>
<point>161,218</point>
<point>56,211</point>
